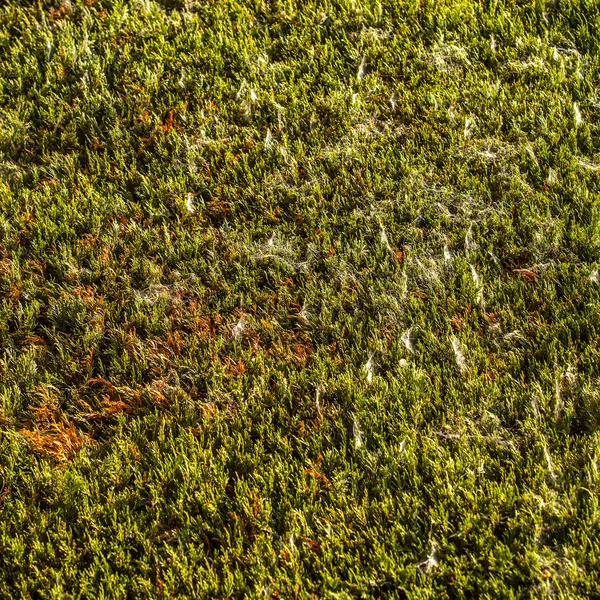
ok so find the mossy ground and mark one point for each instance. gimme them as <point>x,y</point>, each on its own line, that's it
<point>299,299</point>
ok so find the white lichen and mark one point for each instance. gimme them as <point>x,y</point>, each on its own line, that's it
<point>461,361</point>
<point>369,368</point>
<point>383,237</point>
<point>357,432</point>
<point>362,69</point>
<point>469,243</point>
<point>189,204</point>
<point>577,114</point>
<point>239,328</point>
<point>469,127</point>
<point>431,561</point>
<point>268,140</point>
<point>407,340</point>
<point>475,277</point>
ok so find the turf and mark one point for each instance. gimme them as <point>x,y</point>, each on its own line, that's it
<point>299,300</point>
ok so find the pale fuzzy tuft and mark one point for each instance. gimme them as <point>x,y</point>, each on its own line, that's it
<point>358,433</point>
<point>469,244</point>
<point>362,69</point>
<point>469,127</point>
<point>394,101</point>
<point>558,404</point>
<point>253,95</point>
<point>536,407</point>
<point>479,298</point>
<point>49,50</point>
<point>268,140</point>
<point>549,463</point>
<point>515,335</point>
<point>595,276</point>
<point>238,329</point>
<point>303,314</point>
<point>496,261</point>
<point>531,153</point>
<point>384,238</point>
<point>431,561</point>
<point>588,164</point>
<point>369,368</point>
<point>577,112</point>
<point>475,277</point>
<point>189,204</point>
<point>406,340</point>
<point>239,93</point>
<point>447,253</point>
<point>461,361</point>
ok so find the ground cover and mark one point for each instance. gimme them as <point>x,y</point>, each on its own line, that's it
<point>299,299</point>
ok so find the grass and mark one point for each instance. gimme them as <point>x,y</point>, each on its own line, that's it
<point>299,299</point>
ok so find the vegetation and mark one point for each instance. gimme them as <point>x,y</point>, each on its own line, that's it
<point>299,299</point>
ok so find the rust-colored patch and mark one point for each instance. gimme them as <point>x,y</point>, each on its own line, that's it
<point>105,255</point>
<point>56,14</point>
<point>176,342</point>
<point>48,434</point>
<point>234,369</point>
<point>32,340</point>
<point>314,473</point>
<point>115,400</point>
<point>14,293</point>
<point>457,323</point>
<point>55,440</point>
<point>203,327</point>
<point>399,254</point>
<point>527,274</point>
<point>218,208</point>
<point>310,543</point>
<point>301,351</point>
<point>167,124</point>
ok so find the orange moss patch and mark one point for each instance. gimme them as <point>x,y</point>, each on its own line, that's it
<point>58,440</point>
<point>48,433</point>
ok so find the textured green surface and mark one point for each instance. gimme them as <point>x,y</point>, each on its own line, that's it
<point>299,300</point>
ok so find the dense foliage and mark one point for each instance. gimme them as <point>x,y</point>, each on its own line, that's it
<point>299,299</point>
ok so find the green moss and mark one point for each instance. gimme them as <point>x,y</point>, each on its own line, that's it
<point>299,299</point>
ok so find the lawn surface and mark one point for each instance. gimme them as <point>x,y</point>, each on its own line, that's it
<point>299,300</point>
